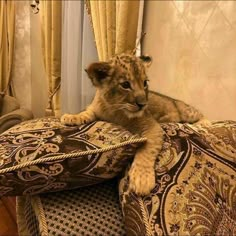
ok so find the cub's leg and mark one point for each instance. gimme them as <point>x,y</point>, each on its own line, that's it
<point>142,171</point>
<point>84,117</point>
<point>188,114</point>
<point>171,117</point>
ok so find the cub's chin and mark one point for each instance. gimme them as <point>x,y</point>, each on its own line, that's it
<point>133,111</point>
<point>133,114</point>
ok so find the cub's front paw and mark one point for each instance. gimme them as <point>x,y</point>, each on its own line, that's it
<point>69,119</point>
<point>141,179</point>
<point>78,119</point>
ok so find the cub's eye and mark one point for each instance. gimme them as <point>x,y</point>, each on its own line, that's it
<point>125,85</point>
<point>145,83</point>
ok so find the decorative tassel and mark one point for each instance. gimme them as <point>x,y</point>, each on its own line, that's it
<point>49,110</point>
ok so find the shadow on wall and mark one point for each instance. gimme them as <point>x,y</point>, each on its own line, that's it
<point>191,43</point>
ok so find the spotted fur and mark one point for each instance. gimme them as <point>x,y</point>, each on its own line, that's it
<point>122,97</point>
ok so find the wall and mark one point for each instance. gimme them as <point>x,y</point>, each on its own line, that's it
<point>193,47</point>
<point>28,73</point>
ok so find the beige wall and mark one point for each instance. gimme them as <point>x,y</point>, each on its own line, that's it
<point>29,78</point>
<point>194,51</point>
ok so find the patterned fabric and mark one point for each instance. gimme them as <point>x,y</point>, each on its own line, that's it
<point>195,191</point>
<point>30,218</point>
<point>42,155</point>
<point>87,211</point>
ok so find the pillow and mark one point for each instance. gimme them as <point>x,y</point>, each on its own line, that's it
<point>42,155</point>
<point>195,192</point>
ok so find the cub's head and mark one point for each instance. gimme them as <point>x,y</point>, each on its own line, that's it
<point>122,82</point>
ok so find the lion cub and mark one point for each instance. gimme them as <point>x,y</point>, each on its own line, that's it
<point>122,97</point>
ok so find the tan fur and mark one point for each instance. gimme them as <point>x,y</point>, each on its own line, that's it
<point>133,108</point>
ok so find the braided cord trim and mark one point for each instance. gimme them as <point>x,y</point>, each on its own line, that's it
<point>39,210</point>
<point>72,155</point>
<point>145,218</point>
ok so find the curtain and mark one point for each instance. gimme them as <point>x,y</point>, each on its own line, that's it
<point>51,23</point>
<point>79,43</point>
<point>78,51</point>
<point>115,26</point>
<point>7,29</point>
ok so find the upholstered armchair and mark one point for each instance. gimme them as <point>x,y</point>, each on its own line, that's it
<point>11,113</point>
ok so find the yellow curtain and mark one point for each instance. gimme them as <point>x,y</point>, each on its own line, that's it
<point>115,25</point>
<point>51,23</point>
<point>7,29</point>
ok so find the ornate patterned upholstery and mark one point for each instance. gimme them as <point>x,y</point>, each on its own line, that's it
<point>42,155</point>
<point>195,193</point>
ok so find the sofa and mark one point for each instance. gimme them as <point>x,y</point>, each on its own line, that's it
<point>73,180</point>
<point>11,113</point>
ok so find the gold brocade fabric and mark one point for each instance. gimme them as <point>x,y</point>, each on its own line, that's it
<point>195,192</point>
<point>115,26</point>
<point>51,24</point>
<point>7,29</point>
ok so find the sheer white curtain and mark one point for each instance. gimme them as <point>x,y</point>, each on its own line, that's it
<point>78,51</point>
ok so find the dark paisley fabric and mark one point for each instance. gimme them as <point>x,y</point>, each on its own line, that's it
<point>47,137</point>
<point>195,192</point>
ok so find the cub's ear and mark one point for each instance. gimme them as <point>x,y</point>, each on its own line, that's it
<point>147,60</point>
<point>98,72</point>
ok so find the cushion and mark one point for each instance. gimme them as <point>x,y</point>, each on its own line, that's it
<point>92,210</point>
<point>42,155</point>
<point>195,192</point>
<point>9,104</point>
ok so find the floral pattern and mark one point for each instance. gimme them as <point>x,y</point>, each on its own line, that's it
<point>47,137</point>
<point>195,192</point>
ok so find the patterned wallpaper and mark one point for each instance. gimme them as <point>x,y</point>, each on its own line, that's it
<point>193,47</point>
<point>22,61</point>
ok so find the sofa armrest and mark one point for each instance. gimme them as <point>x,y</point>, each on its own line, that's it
<point>13,118</point>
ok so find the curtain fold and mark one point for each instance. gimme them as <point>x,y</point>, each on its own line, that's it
<point>51,27</point>
<point>78,51</point>
<point>127,13</point>
<point>7,29</point>
<point>115,26</point>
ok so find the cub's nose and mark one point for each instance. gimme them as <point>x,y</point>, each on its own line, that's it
<point>140,106</point>
<point>141,102</point>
